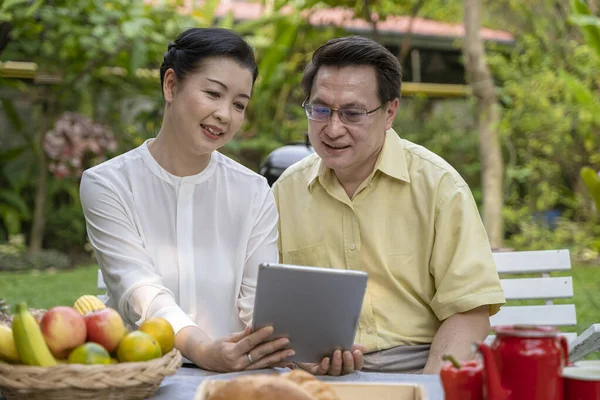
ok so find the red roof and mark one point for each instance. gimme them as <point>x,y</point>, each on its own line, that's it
<point>343,17</point>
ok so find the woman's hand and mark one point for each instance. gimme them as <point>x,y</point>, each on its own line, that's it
<point>242,351</point>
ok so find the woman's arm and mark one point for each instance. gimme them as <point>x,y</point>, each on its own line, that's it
<point>126,266</point>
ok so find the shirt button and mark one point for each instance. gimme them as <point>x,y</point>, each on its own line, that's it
<point>369,331</point>
<point>352,246</point>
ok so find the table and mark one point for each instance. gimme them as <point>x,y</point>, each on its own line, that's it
<point>183,385</point>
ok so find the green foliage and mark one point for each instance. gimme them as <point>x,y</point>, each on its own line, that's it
<point>447,128</point>
<point>589,24</point>
<point>14,258</point>
<point>65,223</point>
<point>284,45</point>
<point>592,181</point>
<point>551,120</point>
<point>440,10</point>
<point>97,51</point>
<point>105,52</point>
<point>14,210</point>
<point>581,238</point>
<point>590,27</point>
<point>100,50</point>
<point>76,38</point>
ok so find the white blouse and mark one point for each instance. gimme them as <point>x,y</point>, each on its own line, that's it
<point>185,249</point>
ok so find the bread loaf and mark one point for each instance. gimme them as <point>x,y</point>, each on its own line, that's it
<point>296,385</point>
<point>317,389</point>
<point>259,387</point>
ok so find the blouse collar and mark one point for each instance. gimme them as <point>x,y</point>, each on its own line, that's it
<point>166,176</point>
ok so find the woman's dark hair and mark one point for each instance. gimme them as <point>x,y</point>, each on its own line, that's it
<point>193,46</point>
<point>357,50</point>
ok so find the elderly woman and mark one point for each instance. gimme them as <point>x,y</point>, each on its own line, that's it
<point>178,228</point>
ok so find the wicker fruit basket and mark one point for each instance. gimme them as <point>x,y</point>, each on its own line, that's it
<point>133,380</point>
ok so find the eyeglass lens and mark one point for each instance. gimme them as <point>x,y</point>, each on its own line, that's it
<point>321,113</point>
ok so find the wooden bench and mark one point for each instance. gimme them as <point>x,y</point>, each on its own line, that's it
<point>538,284</point>
<point>541,287</point>
<point>101,286</point>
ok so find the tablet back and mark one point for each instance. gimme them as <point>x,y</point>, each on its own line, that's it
<point>316,308</point>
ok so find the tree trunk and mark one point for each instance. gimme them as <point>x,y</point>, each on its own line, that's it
<point>369,19</point>
<point>406,45</point>
<point>41,193</point>
<point>488,117</point>
<point>593,7</point>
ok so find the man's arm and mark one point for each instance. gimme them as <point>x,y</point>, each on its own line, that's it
<point>456,336</point>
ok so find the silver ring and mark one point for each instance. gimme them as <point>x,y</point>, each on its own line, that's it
<point>250,358</point>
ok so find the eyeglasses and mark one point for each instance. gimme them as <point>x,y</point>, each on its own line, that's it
<point>350,115</point>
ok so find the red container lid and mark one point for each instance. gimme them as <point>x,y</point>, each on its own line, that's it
<point>526,331</point>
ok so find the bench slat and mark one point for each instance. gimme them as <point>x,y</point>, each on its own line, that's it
<point>555,315</point>
<point>537,288</point>
<point>101,284</point>
<point>587,342</point>
<point>523,262</point>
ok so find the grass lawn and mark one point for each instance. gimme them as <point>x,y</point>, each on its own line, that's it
<point>44,290</point>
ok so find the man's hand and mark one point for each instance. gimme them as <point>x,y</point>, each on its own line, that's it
<point>339,364</point>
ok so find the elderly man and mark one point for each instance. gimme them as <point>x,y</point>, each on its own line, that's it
<point>369,200</point>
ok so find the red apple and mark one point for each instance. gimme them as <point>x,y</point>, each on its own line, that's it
<point>105,327</point>
<point>64,329</point>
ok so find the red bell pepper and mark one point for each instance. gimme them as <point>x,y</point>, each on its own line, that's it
<point>462,381</point>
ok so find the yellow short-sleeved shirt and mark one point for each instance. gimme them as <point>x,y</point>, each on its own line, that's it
<point>413,226</point>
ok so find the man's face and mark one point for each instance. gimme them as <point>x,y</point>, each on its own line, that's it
<point>345,147</point>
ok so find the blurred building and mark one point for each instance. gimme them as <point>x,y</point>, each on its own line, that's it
<point>434,55</point>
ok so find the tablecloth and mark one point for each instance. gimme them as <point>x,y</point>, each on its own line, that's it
<point>183,385</point>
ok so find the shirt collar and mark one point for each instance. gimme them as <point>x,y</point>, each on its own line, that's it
<point>166,176</point>
<point>391,161</point>
<point>319,172</point>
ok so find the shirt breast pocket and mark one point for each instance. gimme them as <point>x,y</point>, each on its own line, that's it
<point>311,256</point>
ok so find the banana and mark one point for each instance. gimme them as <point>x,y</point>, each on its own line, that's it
<point>29,340</point>
<point>88,303</point>
<point>8,350</point>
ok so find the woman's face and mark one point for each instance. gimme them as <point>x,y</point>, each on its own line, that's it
<point>207,108</point>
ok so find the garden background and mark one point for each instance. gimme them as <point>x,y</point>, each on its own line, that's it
<point>79,84</point>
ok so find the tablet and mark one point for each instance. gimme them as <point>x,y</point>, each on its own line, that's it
<point>316,308</point>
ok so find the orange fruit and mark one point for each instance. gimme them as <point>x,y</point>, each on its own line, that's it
<point>89,353</point>
<point>161,330</point>
<point>138,346</point>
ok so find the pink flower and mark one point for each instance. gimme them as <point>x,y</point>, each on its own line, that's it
<point>74,142</point>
